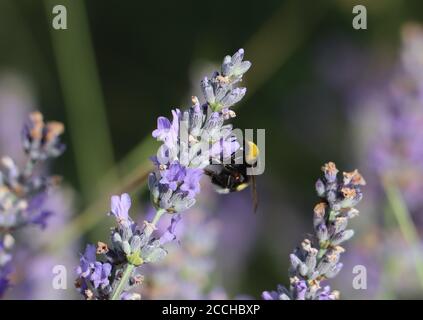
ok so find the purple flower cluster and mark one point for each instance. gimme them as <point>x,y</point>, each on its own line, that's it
<point>116,272</point>
<point>92,270</point>
<point>196,138</point>
<point>313,263</point>
<point>22,192</point>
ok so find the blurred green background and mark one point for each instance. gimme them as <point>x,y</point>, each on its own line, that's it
<point>121,64</point>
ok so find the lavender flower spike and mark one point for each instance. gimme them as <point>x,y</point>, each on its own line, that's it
<point>196,138</point>
<point>22,192</point>
<point>313,263</point>
<point>110,272</point>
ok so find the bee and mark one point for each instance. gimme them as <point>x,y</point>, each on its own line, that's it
<point>234,177</point>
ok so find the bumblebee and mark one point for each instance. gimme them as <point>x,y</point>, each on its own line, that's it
<point>233,177</point>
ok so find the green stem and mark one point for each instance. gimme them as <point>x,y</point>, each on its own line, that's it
<point>149,228</point>
<point>123,281</point>
<point>405,223</point>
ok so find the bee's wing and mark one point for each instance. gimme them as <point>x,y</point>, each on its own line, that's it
<point>213,169</point>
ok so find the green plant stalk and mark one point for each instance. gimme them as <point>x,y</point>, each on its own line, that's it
<point>83,98</point>
<point>406,225</point>
<point>123,281</point>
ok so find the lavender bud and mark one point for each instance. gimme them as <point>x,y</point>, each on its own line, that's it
<point>183,203</point>
<point>333,272</point>
<point>299,289</point>
<point>340,224</point>
<point>208,91</point>
<point>227,66</point>
<point>342,236</point>
<point>352,213</point>
<point>238,56</point>
<point>116,240</point>
<point>311,260</point>
<point>242,68</point>
<point>155,255</point>
<point>196,120</point>
<point>126,233</point>
<point>233,97</point>
<point>302,269</point>
<point>324,266</point>
<point>220,92</point>
<point>331,197</point>
<point>319,214</point>
<point>126,247</point>
<point>295,261</point>
<point>153,186</point>
<point>320,188</point>
<point>322,232</point>
<point>330,171</point>
<point>214,124</point>
<point>130,296</point>
<point>135,244</point>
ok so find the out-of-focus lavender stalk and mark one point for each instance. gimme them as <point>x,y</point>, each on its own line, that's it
<point>190,142</point>
<point>187,271</point>
<point>23,191</point>
<point>318,260</point>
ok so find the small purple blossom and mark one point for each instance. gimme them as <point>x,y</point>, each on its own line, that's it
<point>120,207</point>
<point>100,274</point>
<point>170,233</point>
<point>163,128</point>
<point>173,175</point>
<point>191,183</point>
<point>86,262</point>
<point>41,218</point>
<point>167,131</point>
<point>270,295</point>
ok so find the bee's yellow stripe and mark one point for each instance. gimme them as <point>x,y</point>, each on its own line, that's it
<point>252,152</point>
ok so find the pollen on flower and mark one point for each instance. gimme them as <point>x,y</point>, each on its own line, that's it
<point>222,79</point>
<point>54,129</point>
<point>306,244</point>
<point>349,193</point>
<point>354,177</point>
<point>37,122</point>
<point>320,209</point>
<point>89,294</point>
<point>102,248</point>
<point>338,249</point>
<point>330,168</point>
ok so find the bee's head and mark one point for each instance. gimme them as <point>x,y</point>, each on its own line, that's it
<point>251,152</point>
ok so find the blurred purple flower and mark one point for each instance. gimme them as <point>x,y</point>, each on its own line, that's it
<point>170,233</point>
<point>5,271</point>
